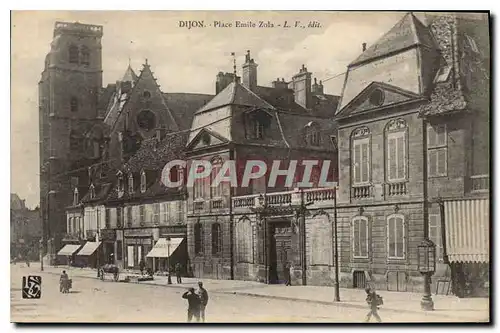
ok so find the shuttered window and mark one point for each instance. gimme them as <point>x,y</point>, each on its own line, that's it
<point>198,238</point>
<point>361,161</point>
<point>435,234</point>
<point>396,156</point>
<point>437,160</point>
<point>216,239</point>
<point>396,236</point>
<point>360,237</point>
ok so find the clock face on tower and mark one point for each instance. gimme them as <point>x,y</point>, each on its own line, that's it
<point>146,120</point>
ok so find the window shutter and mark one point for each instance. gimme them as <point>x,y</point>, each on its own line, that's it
<point>401,157</point>
<point>441,161</point>
<point>441,135</point>
<point>431,136</point>
<point>365,164</point>
<point>400,237</point>
<point>432,163</point>
<point>356,236</point>
<point>363,237</point>
<point>357,163</point>
<point>390,237</point>
<point>392,159</point>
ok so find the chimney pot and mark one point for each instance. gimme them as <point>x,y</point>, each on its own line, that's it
<point>364,47</point>
<point>315,82</point>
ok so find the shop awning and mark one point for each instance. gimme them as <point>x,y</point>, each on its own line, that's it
<point>88,249</point>
<point>162,249</point>
<point>68,250</point>
<point>467,230</point>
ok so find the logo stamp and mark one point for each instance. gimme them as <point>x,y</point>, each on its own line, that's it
<point>32,286</point>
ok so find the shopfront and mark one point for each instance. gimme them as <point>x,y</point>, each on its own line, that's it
<point>108,238</point>
<point>170,249</point>
<point>138,243</point>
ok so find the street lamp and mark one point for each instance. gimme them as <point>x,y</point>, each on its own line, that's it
<point>169,278</point>
<point>40,250</point>
<point>426,257</point>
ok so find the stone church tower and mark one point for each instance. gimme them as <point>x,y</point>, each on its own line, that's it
<point>68,109</point>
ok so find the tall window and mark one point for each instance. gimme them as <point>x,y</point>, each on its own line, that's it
<point>395,138</point>
<point>361,159</point>
<point>244,240</point>
<point>107,218</point>
<point>480,147</point>
<point>216,239</point>
<point>199,186</point>
<point>130,183</point>
<point>129,216</point>
<point>215,191</point>
<point>70,226</point>
<point>120,182</point>
<point>75,197</point>
<point>396,236</point>
<point>156,213</point>
<point>142,214</point>
<point>73,54</point>
<point>143,181</point>
<point>198,238</point>
<point>437,150</point>
<point>360,237</point>
<point>85,60</point>
<point>313,134</point>
<point>119,217</point>
<point>435,234</point>
<point>73,104</point>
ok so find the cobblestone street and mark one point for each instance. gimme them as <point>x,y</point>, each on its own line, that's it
<point>92,300</point>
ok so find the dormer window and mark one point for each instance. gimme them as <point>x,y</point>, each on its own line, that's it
<point>92,191</point>
<point>313,137</point>
<point>143,181</point>
<point>258,129</point>
<point>75,197</point>
<point>258,124</point>
<point>130,183</point>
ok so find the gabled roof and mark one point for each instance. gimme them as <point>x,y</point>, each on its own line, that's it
<point>235,94</point>
<point>409,31</point>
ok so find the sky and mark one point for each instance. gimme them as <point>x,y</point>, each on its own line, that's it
<point>183,60</point>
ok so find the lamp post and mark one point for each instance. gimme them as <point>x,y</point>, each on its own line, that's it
<point>426,257</point>
<point>40,253</point>
<point>336,258</point>
<point>169,278</point>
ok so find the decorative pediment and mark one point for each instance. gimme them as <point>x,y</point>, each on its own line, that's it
<point>375,96</point>
<point>206,138</point>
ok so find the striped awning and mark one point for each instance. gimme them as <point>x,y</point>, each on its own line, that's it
<point>163,248</point>
<point>68,250</point>
<point>88,249</point>
<point>467,230</point>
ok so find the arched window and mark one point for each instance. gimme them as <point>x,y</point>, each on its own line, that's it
<point>244,240</point>
<point>360,234</point>
<point>396,236</point>
<point>395,150</point>
<point>146,94</point>
<point>198,238</point>
<point>360,155</point>
<point>215,191</point>
<point>73,54</point>
<point>130,183</point>
<point>73,104</point>
<point>75,197</point>
<point>216,239</point>
<point>85,59</point>
<point>121,186</point>
<point>143,181</point>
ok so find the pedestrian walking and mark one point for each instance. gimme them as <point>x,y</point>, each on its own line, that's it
<point>178,272</point>
<point>203,295</point>
<point>288,274</point>
<point>142,265</point>
<point>63,282</point>
<point>374,301</point>
<point>193,305</point>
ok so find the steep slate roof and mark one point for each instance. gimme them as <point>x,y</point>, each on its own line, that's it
<point>184,105</point>
<point>409,31</point>
<point>129,75</point>
<point>235,94</point>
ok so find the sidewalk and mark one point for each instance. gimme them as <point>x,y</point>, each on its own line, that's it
<point>471,309</point>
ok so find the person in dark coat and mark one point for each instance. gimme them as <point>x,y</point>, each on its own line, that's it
<point>203,295</point>
<point>374,301</point>
<point>142,266</point>
<point>63,282</point>
<point>288,274</point>
<point>178,272</point>
<point>193,305</point>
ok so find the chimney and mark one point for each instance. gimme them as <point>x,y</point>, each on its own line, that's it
<point>280,84</point>
<point>249,72</point>
<point>363,46</point>
<point>302,88</point>
<point>317,89</point>
<point>223,80</point>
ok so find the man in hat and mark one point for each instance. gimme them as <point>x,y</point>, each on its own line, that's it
<point>203,295</point>
<point>193,305</point>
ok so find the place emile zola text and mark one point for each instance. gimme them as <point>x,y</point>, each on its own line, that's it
<point>249,24</point>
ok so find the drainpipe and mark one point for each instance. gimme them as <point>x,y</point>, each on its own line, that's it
<point>336,257</point>
<point>231,221</point>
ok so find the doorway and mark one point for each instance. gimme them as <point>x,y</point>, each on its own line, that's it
<point>280,251</point>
